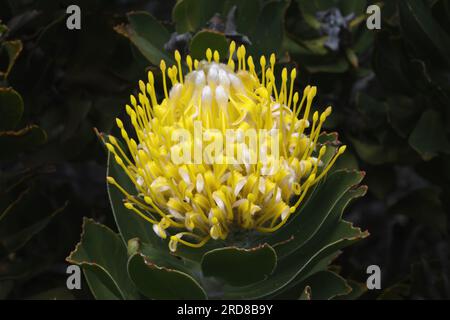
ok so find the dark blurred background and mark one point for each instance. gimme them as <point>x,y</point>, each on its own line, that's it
<point>389,88</point>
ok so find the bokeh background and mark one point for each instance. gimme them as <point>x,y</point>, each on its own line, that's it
<point>389,88</point>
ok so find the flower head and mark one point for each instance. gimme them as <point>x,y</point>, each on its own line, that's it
<point>211,195</point>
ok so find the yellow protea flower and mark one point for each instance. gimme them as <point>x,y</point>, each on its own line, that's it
<point>195,201</point>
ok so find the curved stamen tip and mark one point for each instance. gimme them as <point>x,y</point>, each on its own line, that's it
<point>128,205</point>
<point>177,56</point>
<point>173,243</point>
<point>208,54</point>
<point>111,180</point>
<point>162,65</point>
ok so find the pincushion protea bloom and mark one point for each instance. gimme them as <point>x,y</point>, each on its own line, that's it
<point>195,201</point>
<point>252,222</point>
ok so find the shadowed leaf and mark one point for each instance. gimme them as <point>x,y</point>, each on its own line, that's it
<point>103,257</point>
<point>248,265</point>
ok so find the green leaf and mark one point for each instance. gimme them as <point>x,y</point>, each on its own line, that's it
<point>18,226</point>
<point>429,136</point>
<point>3,29</point>
<point>129,224</point>
<point>390,65</point>
<point>191,15</point>
<point>332,227</point>
<point>310,217</point>
<point>344,234</point>
<point>373,111</point>
<point>377,154</point>
<point>11,108</point>
<point>103,257</point>
<point>196,254</point>
<point>340,236</point>
<point>422,31</point>
<point>296,288</point>
<point>22,140</point>
<point>260,24</point>
<point>312,7</point>
<point>403,113</point>
<point>28,266</point>
<point>157,282</point>
<point>194,15</point>
<point>424,206</point>
<point>238,266</point>
<point>208,39</point>
<point>335,216</point>
<point>268,33</point>
<point>13,49</point>
<point>78,110</point>
<point>347,160</point>
<point>165,258</point>
<point>247,13</point>
<point>398,291</point>
<point>333,236</point>
<point>352,6</point>
<point>365,41</point>
<point>302,48</point>
<point>328,138</point>
<point>339,66</point>
<point>148,35</point>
